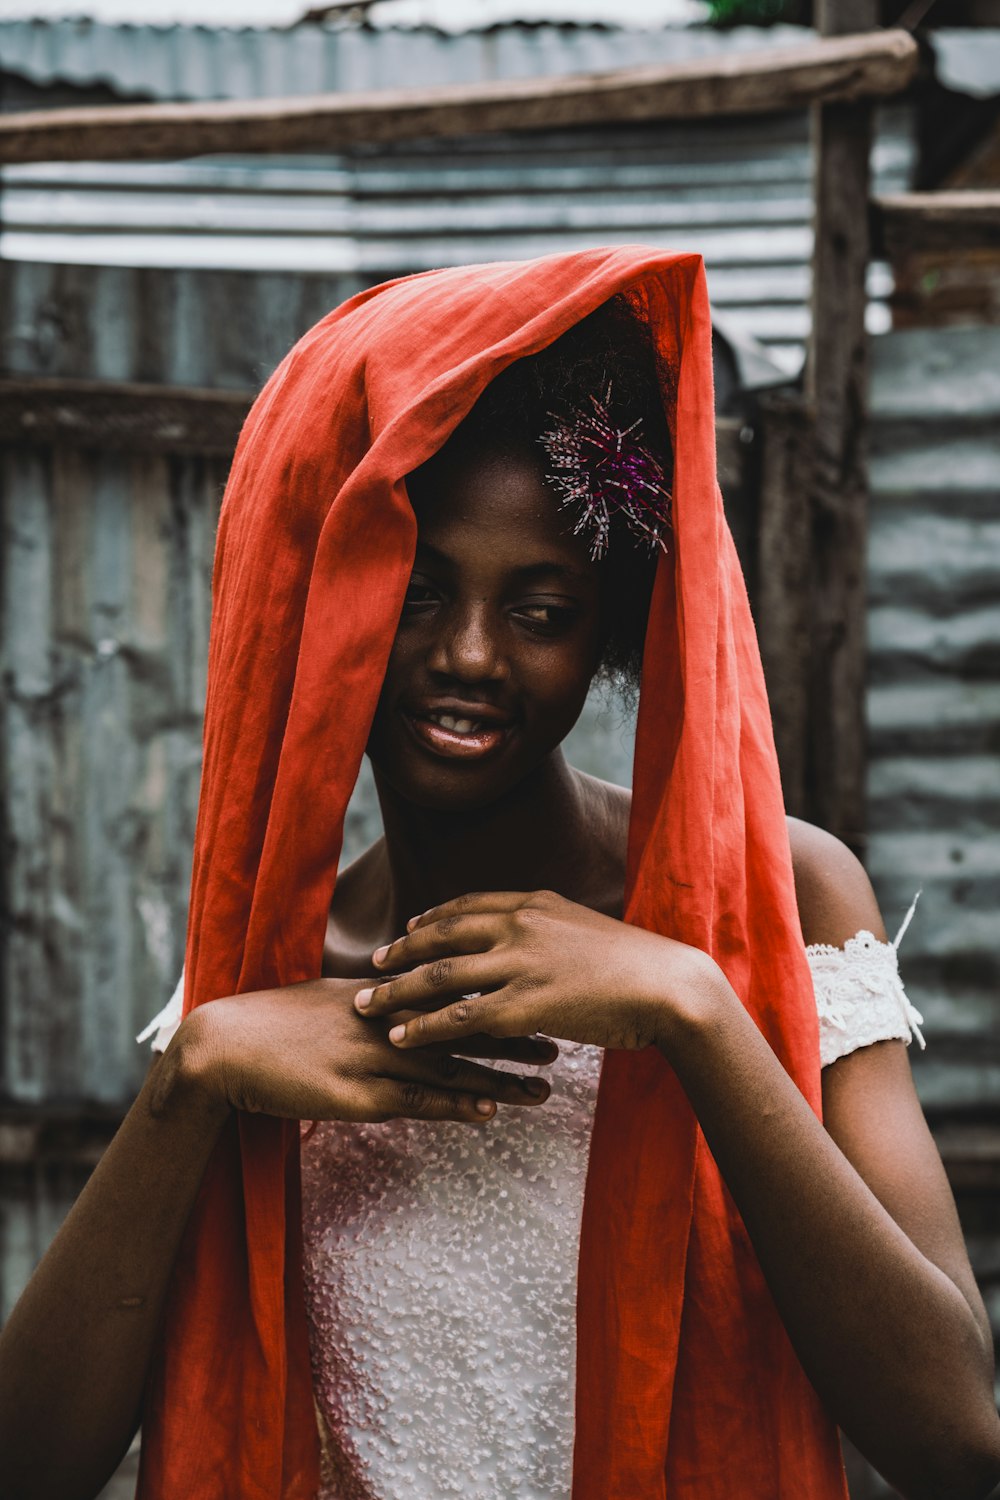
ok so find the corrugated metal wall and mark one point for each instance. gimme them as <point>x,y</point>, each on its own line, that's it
<point>212,62</point>
<point>740,193</point>
<point>934,695</point>
<point>742,198</point>
<point>934,741</point>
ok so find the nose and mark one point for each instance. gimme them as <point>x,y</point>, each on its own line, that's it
<point>468,647</point>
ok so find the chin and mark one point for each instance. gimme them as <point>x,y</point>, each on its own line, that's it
<point>448,790</point>
<point>441,785</point>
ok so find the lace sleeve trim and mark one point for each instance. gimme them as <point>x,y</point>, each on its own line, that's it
<point>166,1021</point>
<point>860,997</point>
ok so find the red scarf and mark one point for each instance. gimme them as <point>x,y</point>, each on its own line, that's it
<point>687,1384</point>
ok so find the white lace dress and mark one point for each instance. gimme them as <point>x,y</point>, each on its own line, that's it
<point>440,1268</point>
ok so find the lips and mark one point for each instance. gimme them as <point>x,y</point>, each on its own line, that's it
<point>458,731</point>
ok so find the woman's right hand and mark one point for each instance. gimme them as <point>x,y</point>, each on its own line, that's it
<point>303,1052</point>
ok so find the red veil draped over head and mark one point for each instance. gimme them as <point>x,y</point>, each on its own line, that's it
<point>687,1384</point>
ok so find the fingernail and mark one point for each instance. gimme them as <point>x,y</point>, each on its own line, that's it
<point>485,1106</point>
<point>379,954</point>
<point>413,922</point>
<point>397,1033</point>
<point>363,999</point>
<point>534,1086</point>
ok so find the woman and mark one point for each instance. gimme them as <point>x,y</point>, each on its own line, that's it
<point>746,1277</point>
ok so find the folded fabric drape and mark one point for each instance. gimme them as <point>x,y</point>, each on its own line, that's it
<point>687,1384</point>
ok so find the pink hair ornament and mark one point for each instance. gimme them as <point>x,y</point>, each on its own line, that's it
<point>602,470</point>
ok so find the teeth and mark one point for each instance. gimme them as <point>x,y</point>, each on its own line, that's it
<point>457,726</point>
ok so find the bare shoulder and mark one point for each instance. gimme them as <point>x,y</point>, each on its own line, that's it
<point>356,922</point>
<point>599,879</point>
<point>834,895</point>
<point>608,806</point>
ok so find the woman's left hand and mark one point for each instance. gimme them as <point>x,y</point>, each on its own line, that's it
<point>507,963</point>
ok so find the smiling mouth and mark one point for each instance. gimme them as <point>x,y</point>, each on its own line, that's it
<point>455,736</point>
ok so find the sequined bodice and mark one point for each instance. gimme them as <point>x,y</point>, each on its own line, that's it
<point>440,1265</point>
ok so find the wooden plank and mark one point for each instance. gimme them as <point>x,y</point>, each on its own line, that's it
<point>121,416</point>
<point>127,416</point>
<point>905,223</point>
<point>765,82</point>
<point>837,391</point>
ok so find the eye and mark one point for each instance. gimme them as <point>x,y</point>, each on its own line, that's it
<point>546,619</point>
<point>419,596</point>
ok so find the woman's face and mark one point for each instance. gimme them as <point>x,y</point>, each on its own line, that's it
<point>499,635</point>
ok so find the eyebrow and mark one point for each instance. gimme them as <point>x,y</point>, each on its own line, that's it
<point>529,573</point>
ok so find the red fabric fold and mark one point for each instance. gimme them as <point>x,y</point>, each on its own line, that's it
<point>687,1385</point>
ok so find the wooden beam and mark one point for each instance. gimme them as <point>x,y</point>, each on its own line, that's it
<point>903,223</point>
<point>121,417</point>
<point>764,82</point>
<point>836,391</point>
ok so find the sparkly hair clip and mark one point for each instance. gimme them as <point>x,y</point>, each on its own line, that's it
<point>603,471</point>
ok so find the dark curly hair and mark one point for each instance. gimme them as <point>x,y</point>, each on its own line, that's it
<point>613,347</point>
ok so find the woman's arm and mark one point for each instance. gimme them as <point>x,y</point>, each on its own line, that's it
<point>75,1351</point>
<point>853,1223</point>
<point>857,1236</point>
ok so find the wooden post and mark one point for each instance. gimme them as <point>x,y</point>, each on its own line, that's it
<point>782,581</point>
<point>837,392</point>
